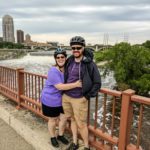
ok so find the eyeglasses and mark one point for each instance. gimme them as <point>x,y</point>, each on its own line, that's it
<point>62,57</point>
<point>76,48</point>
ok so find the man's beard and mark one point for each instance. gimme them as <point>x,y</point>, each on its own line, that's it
<point>78,56</point>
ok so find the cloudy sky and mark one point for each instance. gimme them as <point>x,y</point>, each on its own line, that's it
<point>98,21</point>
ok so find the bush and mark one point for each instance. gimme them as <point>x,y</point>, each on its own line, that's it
<point>11,45</point>
<point>130,66</point>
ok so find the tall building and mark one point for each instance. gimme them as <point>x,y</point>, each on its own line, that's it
<point>28,38</point>
<point>20,36</point>
<point>8,29</point>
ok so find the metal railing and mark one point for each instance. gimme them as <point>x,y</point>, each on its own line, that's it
<point>106,130</point>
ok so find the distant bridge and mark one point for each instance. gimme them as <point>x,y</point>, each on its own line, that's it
<point>48,48</point>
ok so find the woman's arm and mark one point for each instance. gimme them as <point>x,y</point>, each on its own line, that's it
<point>68,86</point>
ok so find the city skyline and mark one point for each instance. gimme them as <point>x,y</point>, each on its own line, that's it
<point>20,36</point>
<point>8,29</point>
<point>92,19</point>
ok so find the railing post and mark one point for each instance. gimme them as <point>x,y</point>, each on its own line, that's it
<point>20,84</point>
<point>125,119</point>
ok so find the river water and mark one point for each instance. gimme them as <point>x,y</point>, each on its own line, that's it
<point>41,65</point>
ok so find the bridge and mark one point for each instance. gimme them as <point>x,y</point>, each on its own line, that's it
<point>24,88</point>
<point>34,46</point>
<point>48,47</point>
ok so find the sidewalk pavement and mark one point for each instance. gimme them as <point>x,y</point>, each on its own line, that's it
<point>10,140</point>
<point>29,126</point>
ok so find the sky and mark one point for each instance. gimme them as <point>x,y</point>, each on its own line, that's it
<point>98,21</point>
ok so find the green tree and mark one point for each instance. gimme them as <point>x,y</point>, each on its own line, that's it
<point>147,44</point>
<point>130,66</point>
<point>11,45</point>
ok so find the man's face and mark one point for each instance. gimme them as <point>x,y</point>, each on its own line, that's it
<point>77,50</point>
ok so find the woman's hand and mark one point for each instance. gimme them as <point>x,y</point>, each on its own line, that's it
<point>78,83</point>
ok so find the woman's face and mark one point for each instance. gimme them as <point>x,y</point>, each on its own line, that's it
<point>60,60</point>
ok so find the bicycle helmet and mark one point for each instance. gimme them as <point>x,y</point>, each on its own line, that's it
<point>60,51</point>
<point>77,40</point>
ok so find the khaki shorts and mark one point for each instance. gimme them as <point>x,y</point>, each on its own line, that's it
<point>76,108</point>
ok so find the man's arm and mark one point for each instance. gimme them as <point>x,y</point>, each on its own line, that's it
<point>68,86</point>
<point>96,79</point>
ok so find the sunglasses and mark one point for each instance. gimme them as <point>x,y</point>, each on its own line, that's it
<point>62,57</point>
<point>76,48</point>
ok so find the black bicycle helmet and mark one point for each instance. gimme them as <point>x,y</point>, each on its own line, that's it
<point>60,51</point>
<point>77,40</point>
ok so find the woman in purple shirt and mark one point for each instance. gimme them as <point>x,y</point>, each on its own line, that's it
<point>51,97</point>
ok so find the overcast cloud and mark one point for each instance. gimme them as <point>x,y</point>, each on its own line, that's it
<point>60,20</point>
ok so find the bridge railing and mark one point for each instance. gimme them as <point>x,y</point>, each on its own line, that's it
<point>141,103</point>
<point>109,122</point>
<point>9,83</point>
<point>102,132</point>
<point>30,90</point>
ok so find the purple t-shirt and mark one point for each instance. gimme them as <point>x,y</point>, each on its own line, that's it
<point>73,76</point>
<point>50,95</point>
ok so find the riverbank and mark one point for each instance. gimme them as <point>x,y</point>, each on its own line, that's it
<point>11,55</point>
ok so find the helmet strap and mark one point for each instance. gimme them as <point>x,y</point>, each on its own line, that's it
<point>59,67</point>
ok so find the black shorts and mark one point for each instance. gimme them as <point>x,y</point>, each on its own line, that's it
<point>52,111</point>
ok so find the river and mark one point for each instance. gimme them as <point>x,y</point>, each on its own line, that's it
<point>41,65</point>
